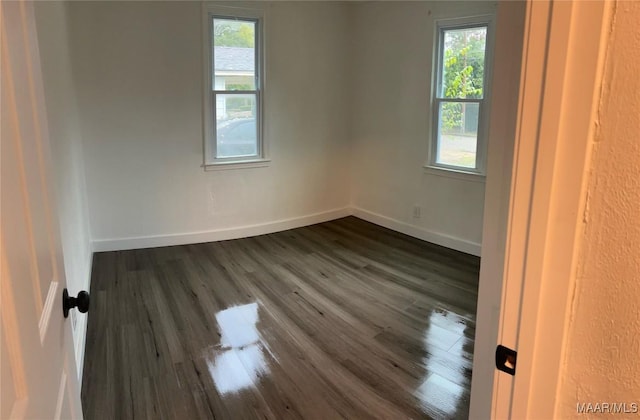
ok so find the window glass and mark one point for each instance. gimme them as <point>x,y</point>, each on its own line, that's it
<point>236,128</point>
<point>459,96</point>
<point>458,134</point>
<point>234,54</point>
<point>462,62</point>
<point>235,100</point>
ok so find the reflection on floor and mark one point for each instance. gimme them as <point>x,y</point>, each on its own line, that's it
<point>343,319</point>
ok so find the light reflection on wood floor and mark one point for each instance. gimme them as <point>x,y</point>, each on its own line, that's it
<point>343,319</point>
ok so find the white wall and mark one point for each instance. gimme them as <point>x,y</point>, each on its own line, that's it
<point>138,72</point>
<point>601,361</point>
<point>391,72</point>
<point>66,148</point>
<point>335,80</point>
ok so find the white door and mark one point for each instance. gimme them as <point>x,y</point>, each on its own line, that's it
<point>38,371</point>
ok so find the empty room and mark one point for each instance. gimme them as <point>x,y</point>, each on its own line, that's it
<point>307,209</point>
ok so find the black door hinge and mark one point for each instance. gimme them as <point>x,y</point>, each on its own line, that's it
<point>506,359</point>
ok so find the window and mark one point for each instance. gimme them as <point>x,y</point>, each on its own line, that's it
<point>233,100</point>
<point>459,102</point>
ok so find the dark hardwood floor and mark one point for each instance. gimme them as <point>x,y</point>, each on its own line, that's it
<point>343,319</point>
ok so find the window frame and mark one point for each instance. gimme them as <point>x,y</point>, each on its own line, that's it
<point>484,104</point>
<point>210,161</point>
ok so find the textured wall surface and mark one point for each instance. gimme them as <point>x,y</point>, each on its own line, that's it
<point>602,362</point>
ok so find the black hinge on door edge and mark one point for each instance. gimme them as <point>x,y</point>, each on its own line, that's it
<point>506,359</point>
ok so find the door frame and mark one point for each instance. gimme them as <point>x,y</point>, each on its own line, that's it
<point>536,201</point>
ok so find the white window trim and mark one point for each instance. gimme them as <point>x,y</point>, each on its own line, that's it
<point>208,113</point>
<point>485,104</point>
<point>455,174</point>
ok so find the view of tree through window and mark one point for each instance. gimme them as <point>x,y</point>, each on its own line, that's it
<point>233,33</point>
<point>460,94</point>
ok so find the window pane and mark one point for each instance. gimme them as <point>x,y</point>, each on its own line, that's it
<point>458,134</point>
<point>462,63</point>
<point>236,127</point>
<point>234,54</point>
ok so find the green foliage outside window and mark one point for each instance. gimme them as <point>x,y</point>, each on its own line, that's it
<point>229,33</point>
<point>463,74</point>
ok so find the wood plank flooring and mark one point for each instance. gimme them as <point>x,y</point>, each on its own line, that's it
<point>343,319</point>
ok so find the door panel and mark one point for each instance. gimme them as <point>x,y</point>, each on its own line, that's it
<point>8,389</point>
<point>42,380</point>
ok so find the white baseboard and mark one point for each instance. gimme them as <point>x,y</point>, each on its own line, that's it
<point>120,244</point>
<point>448,241</point>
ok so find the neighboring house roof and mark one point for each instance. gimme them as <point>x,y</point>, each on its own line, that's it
<point>234,58</point>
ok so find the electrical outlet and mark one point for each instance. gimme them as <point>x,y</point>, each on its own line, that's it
<point>416,212</point>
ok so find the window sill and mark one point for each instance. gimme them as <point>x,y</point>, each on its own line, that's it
<point>456,174</point>
<point>237,164</point>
